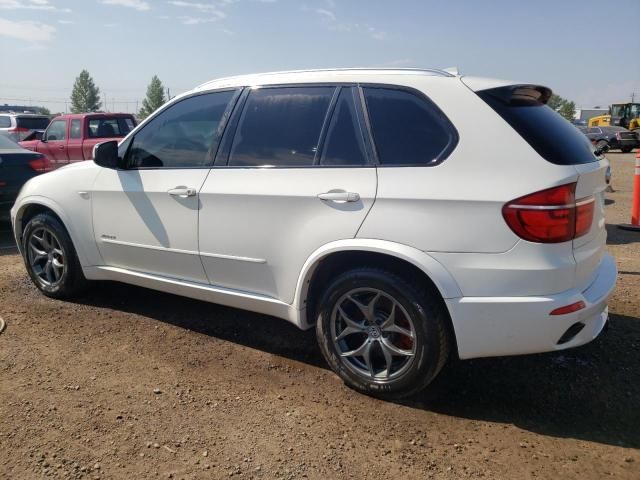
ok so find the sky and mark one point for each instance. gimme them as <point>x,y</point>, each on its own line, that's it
<point>567,45</point>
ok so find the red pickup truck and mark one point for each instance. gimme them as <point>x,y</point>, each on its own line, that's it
<point>71,138</point>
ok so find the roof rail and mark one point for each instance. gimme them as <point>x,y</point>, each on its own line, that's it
<point>432,71</point>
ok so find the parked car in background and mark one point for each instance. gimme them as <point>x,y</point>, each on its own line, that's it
<point>19,126</point>
<point>17,165</point>
<point>617,138</point>
<point>71,138</point>
<point>364,202</point>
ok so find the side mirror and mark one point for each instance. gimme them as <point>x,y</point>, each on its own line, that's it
<point>105,154</point>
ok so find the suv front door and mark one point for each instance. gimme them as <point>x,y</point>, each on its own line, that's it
<point>293,175</point>
<point>146,216</point>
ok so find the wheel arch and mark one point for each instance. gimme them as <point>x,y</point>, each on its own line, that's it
<point>32,206</point>
<point>348,253</point>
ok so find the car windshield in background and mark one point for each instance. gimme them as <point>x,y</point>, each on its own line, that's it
<point>553,137</point>
<point>32,123</point>
<point>110,127</point>
<point>613,129</point>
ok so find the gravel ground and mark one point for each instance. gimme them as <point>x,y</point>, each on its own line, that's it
<point>130,383</point>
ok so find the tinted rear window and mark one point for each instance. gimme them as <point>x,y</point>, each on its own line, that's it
<point>32,123</point>
<point>5,121</point>
<point>109,127</point>
<point>553,137</point>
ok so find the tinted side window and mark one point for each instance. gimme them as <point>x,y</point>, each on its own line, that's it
<point>280,127</point>
<point>407,129</point>
<point>182,135</point>
<point>344,144</point>
<point>75,129</point>
<point>57,130</point>
<point>5,121</point>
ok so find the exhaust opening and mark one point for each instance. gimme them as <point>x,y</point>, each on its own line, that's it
<point>571,332</point>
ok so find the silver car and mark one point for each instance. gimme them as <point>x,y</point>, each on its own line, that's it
<point>19,126</point>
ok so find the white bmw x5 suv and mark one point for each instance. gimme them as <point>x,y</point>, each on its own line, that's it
<point>408,214</point>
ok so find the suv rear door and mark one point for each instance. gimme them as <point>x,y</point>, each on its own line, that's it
<point>292,175</point>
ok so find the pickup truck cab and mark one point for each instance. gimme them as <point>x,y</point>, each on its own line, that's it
<point>71,138</point>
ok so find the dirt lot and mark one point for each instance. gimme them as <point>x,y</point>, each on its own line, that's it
<point>130,383</point>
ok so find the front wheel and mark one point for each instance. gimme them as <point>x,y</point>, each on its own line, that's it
<point>384,336</point>
<point>51,259</point>
<point>626,149</point>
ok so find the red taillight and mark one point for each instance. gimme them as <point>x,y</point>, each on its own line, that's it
<point>584,215</point>
<point>574,307</point>
<point>550,216</point>
<point>41,164</point>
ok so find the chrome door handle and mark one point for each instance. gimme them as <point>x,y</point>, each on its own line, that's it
<point>339,196</point>
<point>183,192</point>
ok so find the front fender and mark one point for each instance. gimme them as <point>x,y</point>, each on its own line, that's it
<point>440,276</point>
<point>21,206</point>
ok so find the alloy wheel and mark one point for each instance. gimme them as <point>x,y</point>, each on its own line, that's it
<point>46,257</point>
<point>373,334</point>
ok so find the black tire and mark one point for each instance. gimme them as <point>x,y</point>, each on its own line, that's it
<point>429,322</point>
<point>626,149</point>
<point>72,281</point>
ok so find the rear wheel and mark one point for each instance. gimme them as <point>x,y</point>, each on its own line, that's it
<point>626,149</point>
<point>383,335</point>
<point>50,258</point>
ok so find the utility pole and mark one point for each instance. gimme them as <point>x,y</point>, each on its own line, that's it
<point>168,94</point>
<point>633,97</point>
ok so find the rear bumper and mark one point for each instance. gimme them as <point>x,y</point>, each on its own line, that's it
<point>496,326</point>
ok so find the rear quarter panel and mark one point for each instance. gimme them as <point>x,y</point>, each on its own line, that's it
<point>456,206</point>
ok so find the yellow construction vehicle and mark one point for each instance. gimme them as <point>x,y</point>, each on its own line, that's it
<point>625,115</point>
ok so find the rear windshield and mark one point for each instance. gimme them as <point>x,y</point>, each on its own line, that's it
<point>553,137</point>
<point>110,127</point>
<point>32,123</point>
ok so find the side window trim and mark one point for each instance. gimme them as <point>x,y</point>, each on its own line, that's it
<point>363,111</point>
<point>224,149</point>
<point>209,164</point>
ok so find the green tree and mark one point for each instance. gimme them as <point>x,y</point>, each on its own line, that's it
<point>85,96</point>
<point>44,111</point>
<point>155,98</point>
<point>568,110</point>
<point>556,102</point>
